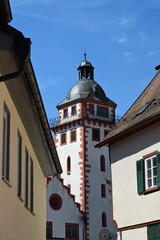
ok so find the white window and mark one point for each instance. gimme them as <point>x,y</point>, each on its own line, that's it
<point>150,172</point>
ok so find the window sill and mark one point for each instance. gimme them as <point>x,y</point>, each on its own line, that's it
<point>6,181</point>
<point>151,190</point>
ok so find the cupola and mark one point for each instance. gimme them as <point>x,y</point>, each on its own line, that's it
<point>85,69</point>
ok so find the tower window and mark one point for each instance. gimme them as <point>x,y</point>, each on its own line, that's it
<point>102,112</point>
<point>102,164</point>
<point>96,134</point>
<point>63,138</point>
<point>104,220</point>
<point>68,165</point>
<point>91,109</point>
<point>65,113</point>
<point>103,190</point>
<point>73,135</point>
<point>74,111</point>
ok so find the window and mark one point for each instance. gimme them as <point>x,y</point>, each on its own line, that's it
<point>63,138</point>
<point>19,159</point>
<point>73,135</point>
<point>65,113</point>
<point>102,164</point>
<point>74,111</point>
<point>6,142</point>
<point>103,190</point>
<point>49,229</point>
<point>104,220</point>
<point>153,232</point>
<point>26,179</point>
<point>72,231</point>
<point>148,173</point>
<point>31,186</point>
<point>68,165</point>
<point>102,112</point>
<point>91,109</point>
<point>96,134</point>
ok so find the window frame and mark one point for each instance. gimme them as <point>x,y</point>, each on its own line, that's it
<point>6,144</point>
<point>104,219</point>
<point>147,178</point>
<point>103,190</point>
<point>141,177</point>
<point>97,139</point>
<point>61,135</point>
<point>73,113</point>
<point>71,132</point>
<point>19,164</point>
<point>91,109</point>
<point>31,186</point>
<point>49,227</point>
<point>102,163</point>
<point>68,165</point>
<point>69,227</point>
<point>65,113</point>
<point>100,112</point>
<point>26,188</point>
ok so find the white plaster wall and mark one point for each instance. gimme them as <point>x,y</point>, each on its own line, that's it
<point>98,205</point>
<point>69,213</point>
<point>72,150</point>
<point>132,234</point>
<point>129,207</point>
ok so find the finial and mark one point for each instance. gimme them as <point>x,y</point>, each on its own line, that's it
<point>84,52</point>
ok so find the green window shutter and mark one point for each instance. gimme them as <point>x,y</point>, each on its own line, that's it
<point>150,231</point>
<point>140,176</point>
<point>157,231</point>
<point>158,169</point>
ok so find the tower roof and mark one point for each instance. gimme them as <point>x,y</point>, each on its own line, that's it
<point>86,87</point>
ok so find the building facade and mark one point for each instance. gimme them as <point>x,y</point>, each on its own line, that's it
<point>27,150</point>
<point>135,164</point>
<point>65,220</point>
<point>85,116</point>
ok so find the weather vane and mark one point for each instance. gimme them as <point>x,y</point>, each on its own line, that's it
<point>84,49</point>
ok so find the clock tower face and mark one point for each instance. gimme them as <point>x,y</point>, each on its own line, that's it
<point>55,201</point>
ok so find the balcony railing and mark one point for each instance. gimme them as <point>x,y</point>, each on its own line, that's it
<point>78,115</point>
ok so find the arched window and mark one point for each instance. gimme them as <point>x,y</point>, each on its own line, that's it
<point>68,165</point>
<point>104,220</point>
<point>102,164</point>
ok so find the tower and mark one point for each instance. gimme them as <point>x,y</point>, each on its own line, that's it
<point>84,117</point>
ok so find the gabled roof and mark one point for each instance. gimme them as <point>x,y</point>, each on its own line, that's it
<point>144,111</point>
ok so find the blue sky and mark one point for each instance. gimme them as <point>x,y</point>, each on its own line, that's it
<point>121,37</point>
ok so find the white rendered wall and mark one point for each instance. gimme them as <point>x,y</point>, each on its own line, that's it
<point>69,212</point>
<point>97,204</point>
<point>130,208</point>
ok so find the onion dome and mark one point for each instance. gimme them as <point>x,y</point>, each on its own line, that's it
<point>86,87</point>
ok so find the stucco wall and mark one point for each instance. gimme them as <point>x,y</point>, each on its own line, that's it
<point>17,222</point>
<point>130,208</point>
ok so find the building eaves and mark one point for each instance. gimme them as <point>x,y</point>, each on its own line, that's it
<point>144,111</point>
<point>22,52</point>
